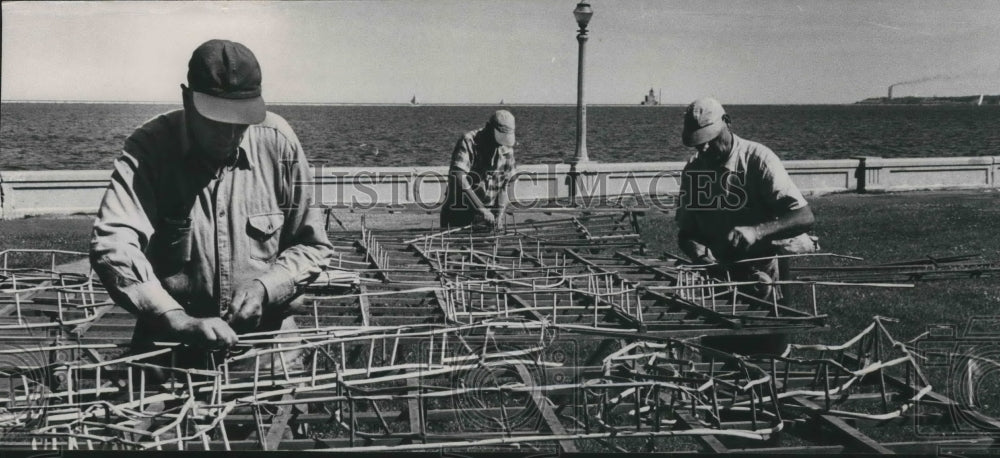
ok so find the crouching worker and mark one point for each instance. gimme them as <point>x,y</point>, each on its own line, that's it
<point>482,165</point>
<point>737,202</point>
<point>207,230</point>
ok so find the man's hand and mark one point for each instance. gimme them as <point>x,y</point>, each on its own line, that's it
<point>488,217</point>
<point>208,333</point>
<point>706,258</point>
<point>715,269</point>
<point>247,307</point>
<point>741,238</point>
<point>802,243</point>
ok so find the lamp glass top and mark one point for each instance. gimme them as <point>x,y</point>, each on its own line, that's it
<point>583,14</point>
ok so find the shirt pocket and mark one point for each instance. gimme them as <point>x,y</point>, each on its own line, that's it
<point>264,230</point>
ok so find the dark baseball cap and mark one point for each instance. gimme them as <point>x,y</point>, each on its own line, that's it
<point>502,123</point>
<point>225,78</point>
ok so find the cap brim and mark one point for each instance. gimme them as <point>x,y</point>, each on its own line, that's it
<point>230,111</point>
<point>705,134</point>
<point>505,139</point>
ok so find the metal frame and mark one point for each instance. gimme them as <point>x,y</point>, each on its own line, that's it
<point>561,333</point>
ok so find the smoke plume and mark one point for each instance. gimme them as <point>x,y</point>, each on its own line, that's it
<point>948,77</point>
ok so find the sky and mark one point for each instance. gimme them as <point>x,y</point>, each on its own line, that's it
<point>521,51</point>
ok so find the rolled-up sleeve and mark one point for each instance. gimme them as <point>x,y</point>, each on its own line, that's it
<point>461,157</point>
<point>305,248</point>
<point>780,192</point>
<point>119,239</point>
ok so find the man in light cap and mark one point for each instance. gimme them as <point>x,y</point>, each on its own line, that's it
<point>737,200</point>
<point>207,229</point>
<point>482,165</point>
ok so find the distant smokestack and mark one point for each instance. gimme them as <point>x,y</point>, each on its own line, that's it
<point>890,91</point>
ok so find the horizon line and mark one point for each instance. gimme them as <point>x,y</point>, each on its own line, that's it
<point>403,104</point>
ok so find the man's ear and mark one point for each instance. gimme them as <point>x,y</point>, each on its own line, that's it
<point>725,118</point>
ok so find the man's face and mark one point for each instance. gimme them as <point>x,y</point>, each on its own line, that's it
<point>715,151</point>
<point>217,140</point>
<point>488,139</point>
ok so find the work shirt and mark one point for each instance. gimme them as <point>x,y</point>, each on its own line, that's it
<point>750,188</point>
<point>173,232</point>
<point>489,167</point>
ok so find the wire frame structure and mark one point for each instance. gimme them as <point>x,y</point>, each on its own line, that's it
<point>426,387</point>
<point>579,269</point>
<point>923,269</point>
<point>45,291</point>
<point>559,334</point>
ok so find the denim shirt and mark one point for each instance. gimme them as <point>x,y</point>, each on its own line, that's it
<point>489,168</point>
<point>174,233</point>
<point>751,187</point>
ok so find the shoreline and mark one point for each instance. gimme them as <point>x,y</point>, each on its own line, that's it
<point>913,100</point>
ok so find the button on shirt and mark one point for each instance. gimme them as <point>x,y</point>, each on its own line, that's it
<point>173,232</point>
<point>750,188</point>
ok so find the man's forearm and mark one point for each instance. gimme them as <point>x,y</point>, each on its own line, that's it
<point>502,201</point>
<point>308,251</point>
<point>788,225</point>
<point>470,192</point>
<point>120,238</point>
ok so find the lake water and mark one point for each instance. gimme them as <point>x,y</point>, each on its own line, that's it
<point>37,136</point>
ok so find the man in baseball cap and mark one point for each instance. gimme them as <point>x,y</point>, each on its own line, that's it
<point>223,98</point>
<point>482,165</point>
<point>704,120</point>
<point>225,79</point>
<point>502,123</point>
<point>207,229</point>
<point>737,199</point>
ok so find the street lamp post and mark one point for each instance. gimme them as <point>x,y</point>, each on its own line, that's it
<point>582,14</point>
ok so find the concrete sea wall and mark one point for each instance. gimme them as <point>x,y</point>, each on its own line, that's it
<point>61,192</point>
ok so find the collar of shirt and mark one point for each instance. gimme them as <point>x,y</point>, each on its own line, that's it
<point>500,155</point>
<point>736,156</point>
<point>243,160</point>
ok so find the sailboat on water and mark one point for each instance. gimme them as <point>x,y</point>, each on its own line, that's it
<point>413,101</point>
<point>980,102</point>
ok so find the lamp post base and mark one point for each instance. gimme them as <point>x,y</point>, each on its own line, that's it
<point>577,178</point>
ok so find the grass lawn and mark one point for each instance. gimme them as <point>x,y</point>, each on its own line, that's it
<point>890,227</point>
<point>70,233</point>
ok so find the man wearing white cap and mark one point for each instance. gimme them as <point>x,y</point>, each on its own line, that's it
<point>737,200</point>
<point>207,228</point>
<point>482,166</point>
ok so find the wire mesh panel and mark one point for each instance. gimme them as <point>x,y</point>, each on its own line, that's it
<point>562,333</point>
